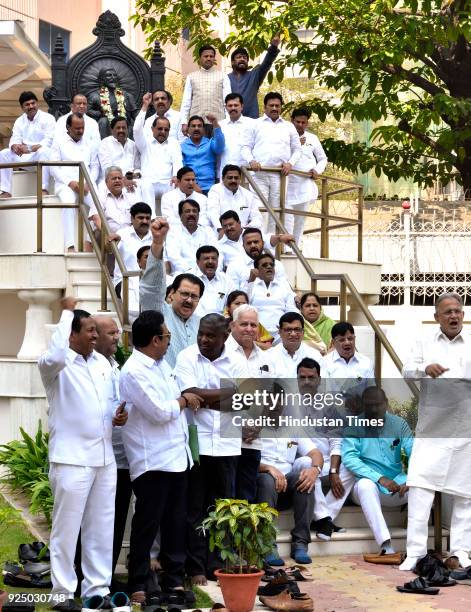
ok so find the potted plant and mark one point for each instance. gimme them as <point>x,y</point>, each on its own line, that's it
<point>243,534</point>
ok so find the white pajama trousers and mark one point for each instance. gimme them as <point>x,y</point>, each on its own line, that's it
<point>152,194</point>
<point>329,505</point>
<point>7,156</point>
<point>269,185</point>
<point>366,494</point>
<point>418,514</point>
<point>295,223</point>
<point>67,196</point>
<point>84,499</point>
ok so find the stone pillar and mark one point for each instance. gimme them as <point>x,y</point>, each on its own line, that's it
<point>354,315</point>
<point>38,315</point>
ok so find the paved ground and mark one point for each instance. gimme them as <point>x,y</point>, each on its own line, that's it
<point>344,584</point>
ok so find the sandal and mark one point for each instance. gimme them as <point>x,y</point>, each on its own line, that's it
<point>418,586</point>
<point>299,573</point>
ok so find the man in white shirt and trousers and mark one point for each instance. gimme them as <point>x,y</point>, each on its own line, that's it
<point>82,468</point>
<point>74,147</point>
<point>303,191</point>
<point>441,463</point>
<point>30,141</point>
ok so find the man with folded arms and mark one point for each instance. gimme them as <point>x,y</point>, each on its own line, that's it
<point>159,457</point>
<point>374,455</point>
<point>82,467</point>
<point>199,369</point>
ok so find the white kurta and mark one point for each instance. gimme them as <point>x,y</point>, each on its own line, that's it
<point>440,460</point>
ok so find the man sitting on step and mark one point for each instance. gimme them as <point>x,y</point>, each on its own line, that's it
<point>374,455</point>
<point>283,481</point>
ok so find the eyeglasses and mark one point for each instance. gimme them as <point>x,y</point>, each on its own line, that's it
<point>169,335</point>
<point>189,296</point>
<point>292,330</point>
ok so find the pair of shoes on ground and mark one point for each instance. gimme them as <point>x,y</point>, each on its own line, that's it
<point>16,576</point>
<point>119,602</point>
<point>293,573</point>
<point>288,601</point>
<point>299,554</point>
<point>173,600</point>
<point>35,552</point>
<point>384,558</point>
<point>422,586</point>
<point>325,527</point>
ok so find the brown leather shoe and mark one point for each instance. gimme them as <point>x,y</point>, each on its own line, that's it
<point>291,602</point>
<point>384,559</point>
<point>452,563</point>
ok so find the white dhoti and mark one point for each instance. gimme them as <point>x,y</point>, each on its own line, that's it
<point>83,499</point>
<point>8,157</point>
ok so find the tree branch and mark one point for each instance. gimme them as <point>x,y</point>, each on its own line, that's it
<point>405,126</point>
<point>414,78</point>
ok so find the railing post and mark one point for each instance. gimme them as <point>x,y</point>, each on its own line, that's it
<point>313,285</point>
<point>324,220</point>
<point>125,299</point>
<point>437,522</point>
<point>282,208</point>
<point>104,299</point>
<point>39,209</point>
<point>407,255</point>
<point>377,360</point>
<point>360,223</point>
<point>80,202</point>
<point>343,300</point>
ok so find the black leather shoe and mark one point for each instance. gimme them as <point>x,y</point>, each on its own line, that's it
<point>68,605</point>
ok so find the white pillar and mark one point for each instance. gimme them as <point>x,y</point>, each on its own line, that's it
<point>38,315</point>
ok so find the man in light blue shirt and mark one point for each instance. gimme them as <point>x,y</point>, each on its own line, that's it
<point>200,153</point>
<point>373,454</point>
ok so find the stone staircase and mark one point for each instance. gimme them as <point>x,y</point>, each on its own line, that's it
<point>84,281</point>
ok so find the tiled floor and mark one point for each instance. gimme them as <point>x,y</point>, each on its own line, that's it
<point>348,583</point>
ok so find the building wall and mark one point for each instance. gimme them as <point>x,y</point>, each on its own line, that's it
<point>22,10</point>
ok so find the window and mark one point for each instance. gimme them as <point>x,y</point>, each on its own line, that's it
<point>47,37</point>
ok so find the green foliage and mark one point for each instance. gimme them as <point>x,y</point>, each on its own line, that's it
<point>243,533</point>
<point>8,517</point>
<point>405,66</point>
<point>27,466</point>
<point>122,355</point>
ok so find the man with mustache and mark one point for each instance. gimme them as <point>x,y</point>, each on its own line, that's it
<point>187,290</point>
<point>245,81</point>
<point>119,150</point>
<point>132,238</point>
<point>233,128</point>
<point>162,101</point>
<point>217,284</point>
<point>241,271</point>
<point>186,188</point>
<point>185,238</point>
<point>200,153</point>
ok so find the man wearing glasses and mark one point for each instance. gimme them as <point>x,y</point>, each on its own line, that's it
<point>187,290</point>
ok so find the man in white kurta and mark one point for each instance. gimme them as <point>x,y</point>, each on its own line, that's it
<point>217,285</point>
<point>441,463</point>
<point>162,101</point>
<point>78,104</point>
<point>82,468</point>
<point>229,195</point>
<point>30,141</point>
<point>74,147</point>
<point>302,191</point>
<point>118,149</point>
<point>233,129</point>
<point>184,189</point>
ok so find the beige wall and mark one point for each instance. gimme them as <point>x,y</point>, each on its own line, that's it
<point>21,10</point>
<point>78,17</point>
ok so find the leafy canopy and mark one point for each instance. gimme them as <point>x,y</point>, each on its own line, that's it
<point>404,65</point>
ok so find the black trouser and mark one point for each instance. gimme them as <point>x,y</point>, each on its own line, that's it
<point>212,479</point>
<point>247,471</point>
<point>161,500</point>
<point>121,508</point>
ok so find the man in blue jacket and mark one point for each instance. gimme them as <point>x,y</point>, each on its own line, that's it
<point>373,454</point>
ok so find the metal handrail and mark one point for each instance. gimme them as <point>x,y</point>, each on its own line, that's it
<point>101,250</point>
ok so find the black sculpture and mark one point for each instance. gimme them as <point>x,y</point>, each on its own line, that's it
<point>106,64</point>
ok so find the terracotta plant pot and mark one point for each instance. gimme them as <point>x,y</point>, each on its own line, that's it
<point>239,590</point>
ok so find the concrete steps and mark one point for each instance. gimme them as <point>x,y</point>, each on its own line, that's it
<point>84,282</point>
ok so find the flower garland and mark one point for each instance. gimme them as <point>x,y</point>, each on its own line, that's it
<point>106,104</point>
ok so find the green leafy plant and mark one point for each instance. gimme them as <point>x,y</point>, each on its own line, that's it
<point>243,533</point>
<point>26,461</point>
<point>122,355</point>
<point>8,517</point>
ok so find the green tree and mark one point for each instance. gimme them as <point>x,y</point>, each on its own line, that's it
<point>404,65</point>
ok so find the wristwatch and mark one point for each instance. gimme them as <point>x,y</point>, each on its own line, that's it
<point>333,471</point>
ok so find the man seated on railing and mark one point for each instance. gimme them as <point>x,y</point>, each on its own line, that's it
<point>187,290</point>
<point>130,239</point>
<point>374,455</point>
<point>241,270</point>
<point>302,191</point>
<point>229,195</point>
<point>184,239</point>
<point>161,156</point>
<point>78,104</point>
<point>231,244</point>
<point>30,141</point>
<point>119,150</point>
<point>74,147</point>
<point>185,189</point>
<point>271,142</point>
